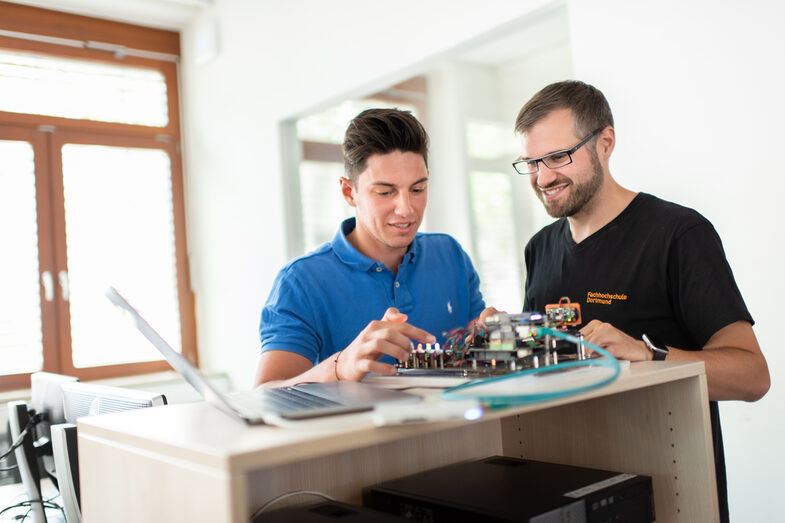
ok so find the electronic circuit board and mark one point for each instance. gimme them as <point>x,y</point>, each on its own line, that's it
<point>504,343</point>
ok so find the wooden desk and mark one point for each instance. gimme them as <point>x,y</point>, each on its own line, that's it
<point>193,463</point>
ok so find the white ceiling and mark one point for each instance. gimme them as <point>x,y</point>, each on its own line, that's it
<point>540,31</point>
<point>162,14</point>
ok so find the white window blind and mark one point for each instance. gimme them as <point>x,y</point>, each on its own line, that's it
<point>20,307</point>
<point>119,231</point>
<point>81,89</point>
<point>496,256</point>
<point>323,205</point>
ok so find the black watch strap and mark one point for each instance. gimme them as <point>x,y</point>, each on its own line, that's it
<point>658,349</point>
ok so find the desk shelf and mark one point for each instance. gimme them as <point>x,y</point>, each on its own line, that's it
<point>194,463</point>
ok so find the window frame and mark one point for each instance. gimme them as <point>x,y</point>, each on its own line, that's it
<point>47,134</point>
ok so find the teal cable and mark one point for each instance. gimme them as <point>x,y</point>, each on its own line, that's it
<point>500,401</point>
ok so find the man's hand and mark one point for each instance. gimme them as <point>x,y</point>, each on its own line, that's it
<point>735,366</point>
<point>391,336</point>
<point>616,342</point>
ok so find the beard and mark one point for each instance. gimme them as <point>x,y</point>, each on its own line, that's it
<point>580,195</point>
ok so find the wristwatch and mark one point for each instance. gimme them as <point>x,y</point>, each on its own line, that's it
<point>658,349</point>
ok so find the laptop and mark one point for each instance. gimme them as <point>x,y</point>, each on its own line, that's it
<point>260,406</point>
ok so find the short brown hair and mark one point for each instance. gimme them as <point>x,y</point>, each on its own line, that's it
<point>589,107</point>
<point>381,131</point>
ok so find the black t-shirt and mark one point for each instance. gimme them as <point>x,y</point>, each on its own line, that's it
<point>657,268</point>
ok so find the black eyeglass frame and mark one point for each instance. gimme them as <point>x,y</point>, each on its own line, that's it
<point>568,152</point>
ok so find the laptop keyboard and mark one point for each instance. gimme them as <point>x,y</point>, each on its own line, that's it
<point>284,399</point>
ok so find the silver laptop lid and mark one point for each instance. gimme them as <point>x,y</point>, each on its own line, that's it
<point>175,359</point>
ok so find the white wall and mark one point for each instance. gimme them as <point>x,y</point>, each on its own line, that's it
<point>698,92</point>
<point>696,88</point>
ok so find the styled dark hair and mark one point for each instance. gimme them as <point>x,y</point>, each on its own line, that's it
<point>381,131</point>
<point>589,107</point>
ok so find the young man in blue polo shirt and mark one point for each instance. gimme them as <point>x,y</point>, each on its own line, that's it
<point>353,305</point>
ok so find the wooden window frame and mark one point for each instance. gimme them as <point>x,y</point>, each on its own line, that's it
<point>48,134</point>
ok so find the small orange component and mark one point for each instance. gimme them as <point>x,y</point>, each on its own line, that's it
<point>564,313</point>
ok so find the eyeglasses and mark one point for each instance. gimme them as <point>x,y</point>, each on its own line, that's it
<point>553,160</point>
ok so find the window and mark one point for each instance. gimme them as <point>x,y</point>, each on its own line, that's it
<point>81,89</point>
<point>20,306</point>
<point>495,201</point>
<point>496,241</point>
<point>90,196</point>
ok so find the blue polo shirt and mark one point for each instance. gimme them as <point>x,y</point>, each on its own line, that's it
<point>320,302</point>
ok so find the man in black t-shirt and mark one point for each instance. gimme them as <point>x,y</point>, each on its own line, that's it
<point>651,276</point>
